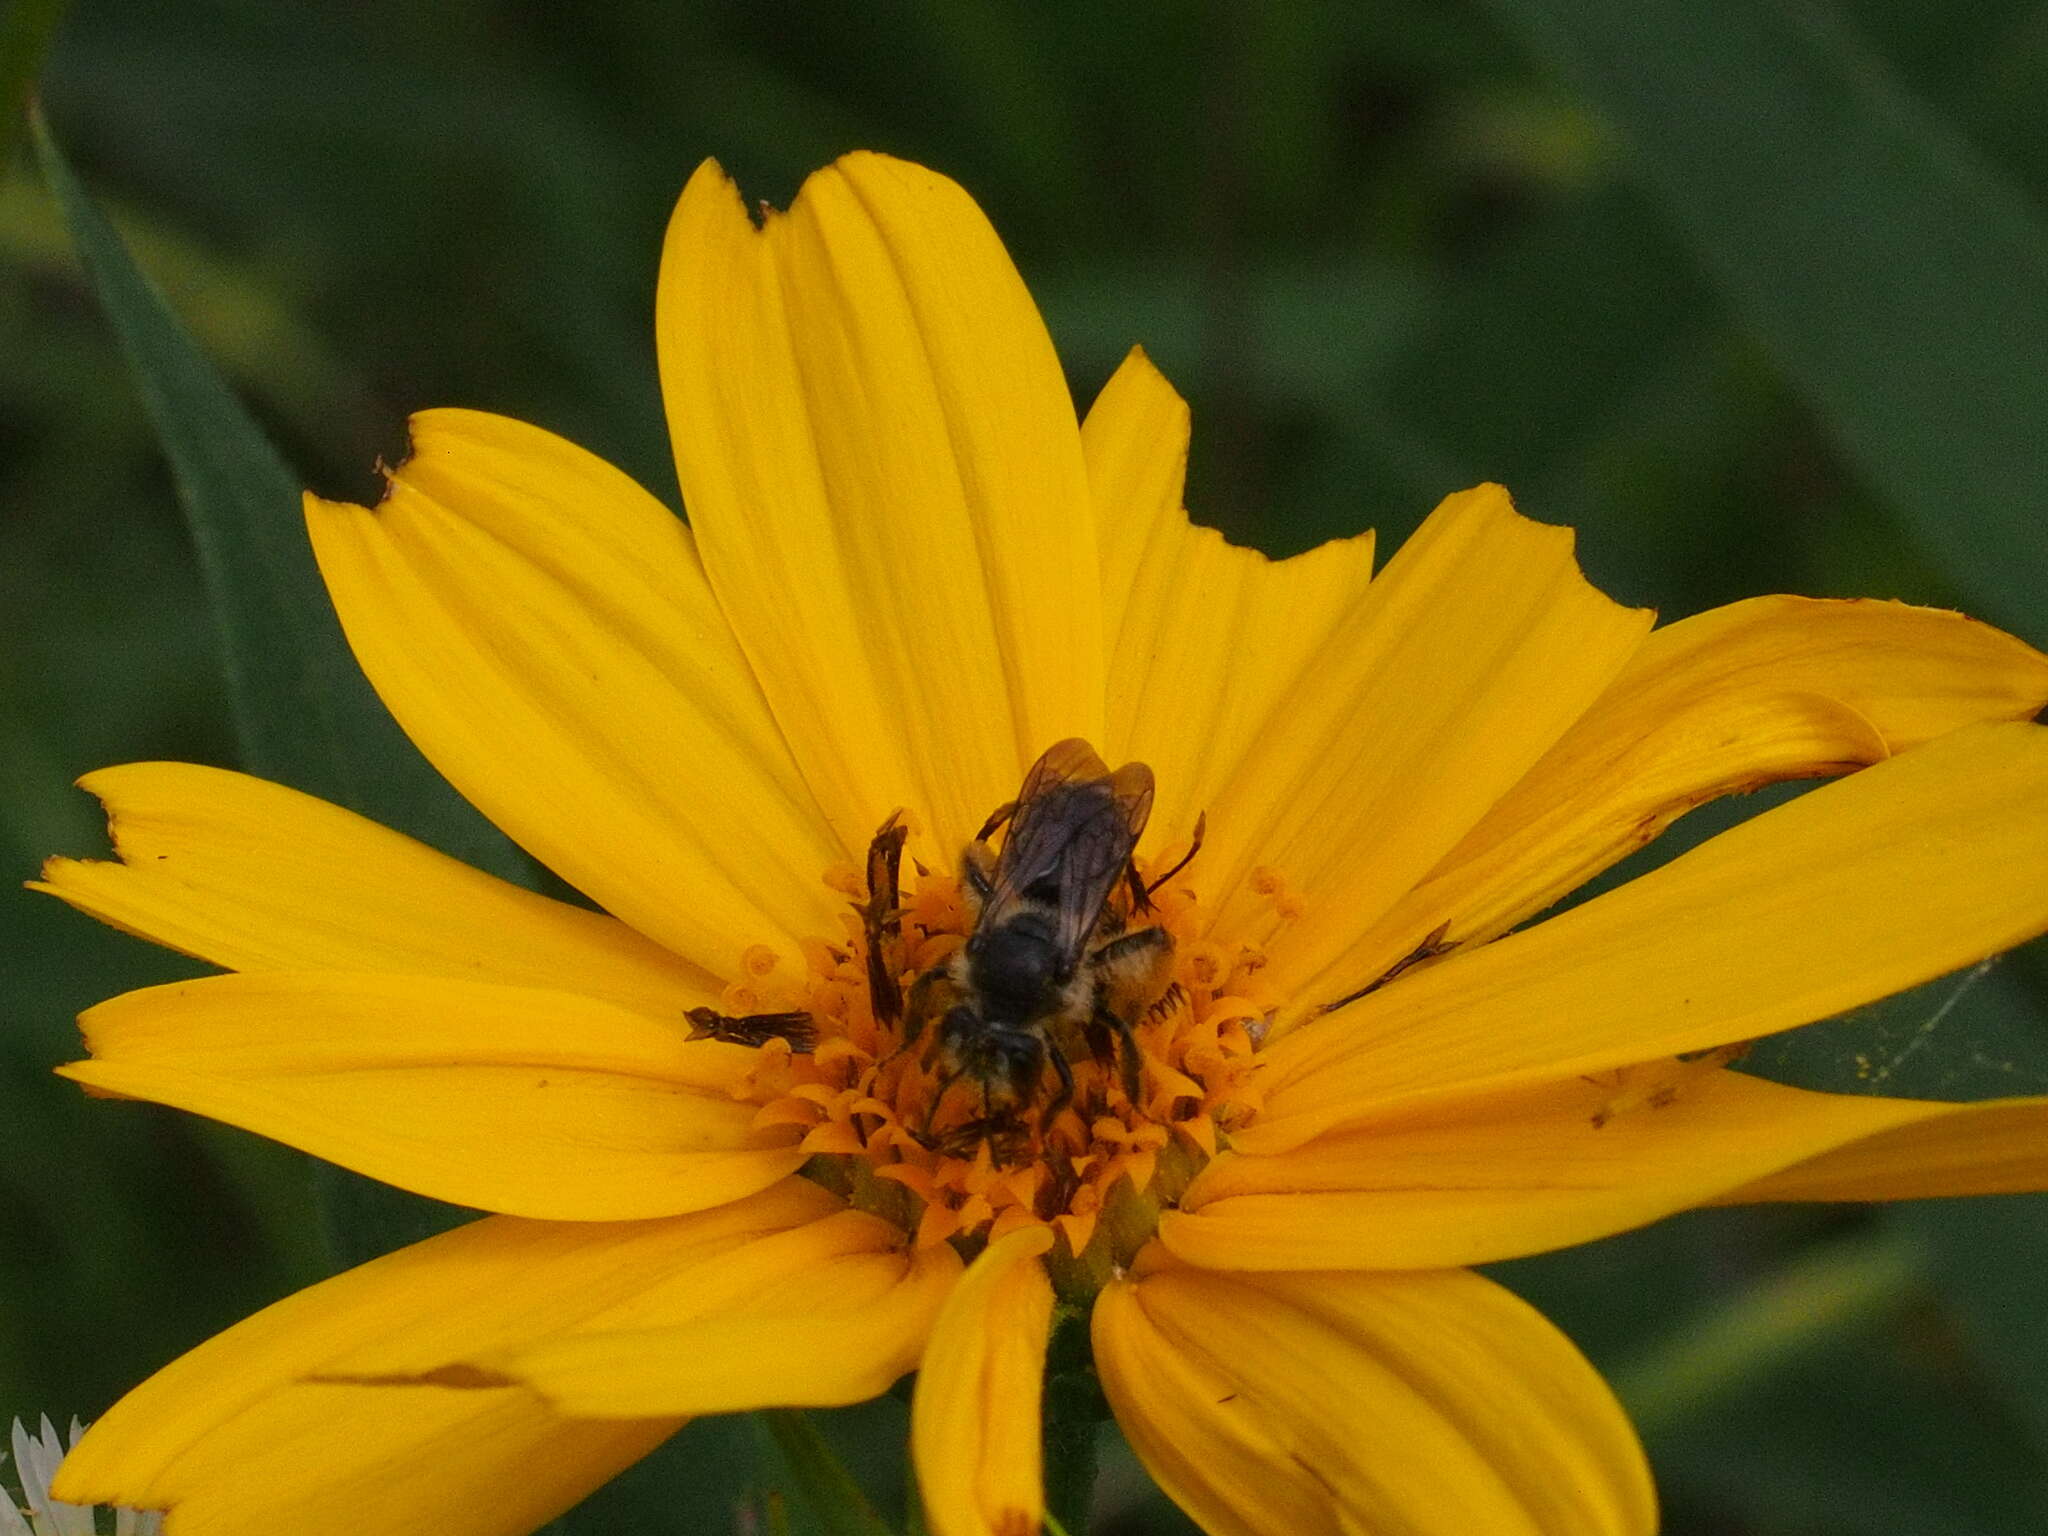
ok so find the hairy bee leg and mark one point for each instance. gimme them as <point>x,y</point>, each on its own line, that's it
<point>1135,966</point>
<point>1431,947</point>
<point>1065,1096</point>
<point>1143,946</point>
<point>753,1029</point>
<point>918,1006</point>
<point>881,918</point>
<point>1127,1057</point>
<point>931,1110</point>
<point>1134,970</point>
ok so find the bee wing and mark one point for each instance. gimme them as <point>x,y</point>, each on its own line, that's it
<point>1070,839</point>
<point>1132,787</point>
<point>1071,761</point>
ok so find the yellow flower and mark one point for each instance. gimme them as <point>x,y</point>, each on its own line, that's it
<point>908,573</point>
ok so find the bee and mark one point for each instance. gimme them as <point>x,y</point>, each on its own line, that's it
<point>1047,956</point>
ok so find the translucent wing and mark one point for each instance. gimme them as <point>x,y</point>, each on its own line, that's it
<point>1072,831</point>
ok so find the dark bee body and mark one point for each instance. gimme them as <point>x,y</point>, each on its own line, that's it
<point>1046,954</point>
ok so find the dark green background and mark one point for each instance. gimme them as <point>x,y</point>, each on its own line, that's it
<point>1756,295</point>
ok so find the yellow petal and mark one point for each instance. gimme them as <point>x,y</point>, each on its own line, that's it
<point>1759,691</point>
<point>880,460</point>
<point>1134,443</point>
<point>239,1439</point>
<point>1524,1170</point>
<point>333,1460</point>
<point>1472,652</point>
<point>508,1098</point>
<point>541,628</point>
<point>816,1326</point>
<point>974,1425</point>
<point>1423,1403</point>
<point>1997,1147</point>
<point>1205,638</point>
<point>1921,865</point>
<point>256,877</point>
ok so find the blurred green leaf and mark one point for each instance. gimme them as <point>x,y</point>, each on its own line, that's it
<point>1548,336</point>
<point>249,331</point>
<point>1820,1396</point>
<point>1986,1257</point>
<point>828,1489</point>
<point>306,716</point>
<point>1320,331</point>
<point>303,712</point>
<point>1899,281</point>
<point>1878,1434</point>
<point>26,27</point>
<point>1836,1289</point>
<point>708,1478</point>
<point>1878,1430</point>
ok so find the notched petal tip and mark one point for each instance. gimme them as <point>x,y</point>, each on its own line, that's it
<point>103,785</point>
<point>429,432</point>
<point>711,194</point>
<point>1490,497</point>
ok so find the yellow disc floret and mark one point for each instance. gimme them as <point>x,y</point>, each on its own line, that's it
<point>893,1132</point>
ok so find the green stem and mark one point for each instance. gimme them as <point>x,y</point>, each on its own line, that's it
<point>1074,1412</point>
<point>820,1476</point>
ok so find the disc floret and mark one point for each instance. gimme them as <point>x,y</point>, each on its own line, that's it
<point>887,1131</point>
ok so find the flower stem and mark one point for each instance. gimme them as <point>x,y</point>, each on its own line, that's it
<point>1074,1411</point>
<point>820,1476</point>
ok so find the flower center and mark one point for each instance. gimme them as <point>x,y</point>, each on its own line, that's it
<point>923,1100</point>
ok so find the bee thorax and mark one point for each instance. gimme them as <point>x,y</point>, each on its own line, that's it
<point>1017,970</point>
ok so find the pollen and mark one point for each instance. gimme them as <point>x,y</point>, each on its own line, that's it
<point>1657,1084</point>
<point>945,1161</point>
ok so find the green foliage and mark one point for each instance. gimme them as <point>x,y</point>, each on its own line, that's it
<point>26,28</point>
<point>1898,278</point>
<point>829,1491</point>
<point>1751,294</point>
<point>303,713</point>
